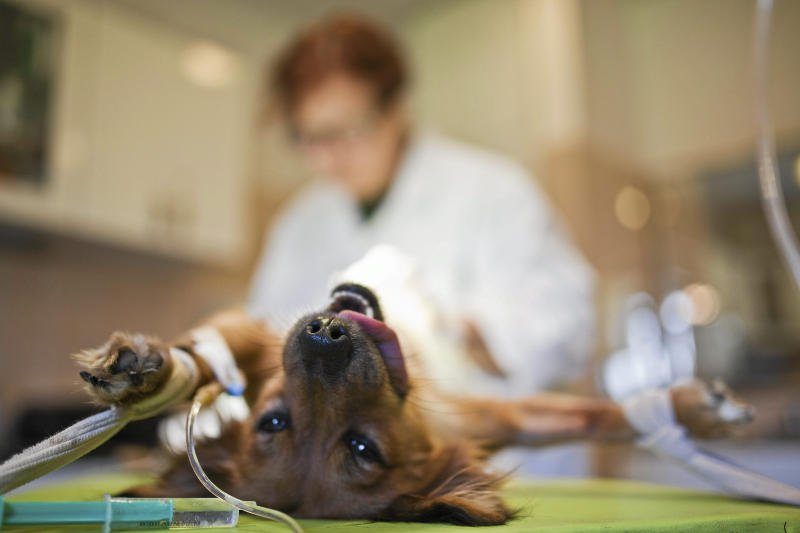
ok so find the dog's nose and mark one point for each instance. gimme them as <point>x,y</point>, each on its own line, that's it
<point>326,338</point>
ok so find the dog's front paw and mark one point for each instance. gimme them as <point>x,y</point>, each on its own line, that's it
<point>710,410</point>
<point>125,369</point>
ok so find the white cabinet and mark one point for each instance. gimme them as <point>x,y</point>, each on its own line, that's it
<point>150,138</point>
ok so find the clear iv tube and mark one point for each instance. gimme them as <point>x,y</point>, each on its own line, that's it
<point>204,396</point>
<point>768,172</point>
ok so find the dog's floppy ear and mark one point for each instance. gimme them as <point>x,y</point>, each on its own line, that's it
<point>468,508</point>
<point>464,494</point>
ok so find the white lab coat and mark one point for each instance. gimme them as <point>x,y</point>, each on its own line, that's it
<point>484,244</point>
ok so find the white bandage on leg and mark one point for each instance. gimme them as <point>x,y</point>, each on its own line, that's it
<point>652,415</point>
<point>212,347</point>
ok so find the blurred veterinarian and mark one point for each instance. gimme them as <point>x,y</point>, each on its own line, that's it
<point>489,255</point>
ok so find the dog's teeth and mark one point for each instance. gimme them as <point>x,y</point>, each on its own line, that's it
<point>361,300</point>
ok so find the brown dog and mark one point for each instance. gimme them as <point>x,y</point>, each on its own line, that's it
<point>339,428</point>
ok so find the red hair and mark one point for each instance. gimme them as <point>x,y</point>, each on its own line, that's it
<point>341,44</point>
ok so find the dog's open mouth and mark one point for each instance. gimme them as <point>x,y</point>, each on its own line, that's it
<point>359,305</point>
<point>354,297</point>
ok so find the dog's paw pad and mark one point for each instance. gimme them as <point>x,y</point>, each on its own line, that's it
<point>125,369</point>
<point>126,360</point>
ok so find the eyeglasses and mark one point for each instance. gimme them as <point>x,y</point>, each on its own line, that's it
<point>344,135</point>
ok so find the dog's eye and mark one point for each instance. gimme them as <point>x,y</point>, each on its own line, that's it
<point>363,448</point>
<point>274,422</point>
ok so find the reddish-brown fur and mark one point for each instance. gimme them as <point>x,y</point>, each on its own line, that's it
<point>432,446</point>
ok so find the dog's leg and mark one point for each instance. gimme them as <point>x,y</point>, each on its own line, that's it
<point>553,418</point>
<point>537,420</point>
<point>130,367</point>
<point>256,351</point>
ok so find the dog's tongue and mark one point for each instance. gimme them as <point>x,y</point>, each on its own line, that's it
<point>389,346</point>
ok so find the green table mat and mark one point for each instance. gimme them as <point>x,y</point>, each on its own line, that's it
<point>568,505</point>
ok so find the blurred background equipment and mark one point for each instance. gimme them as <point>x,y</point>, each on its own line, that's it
<point>135,183</point>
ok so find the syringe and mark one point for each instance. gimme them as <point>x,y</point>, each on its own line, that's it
<point>122,513</point>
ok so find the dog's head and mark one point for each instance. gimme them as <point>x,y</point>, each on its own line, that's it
<point>338,432</point>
